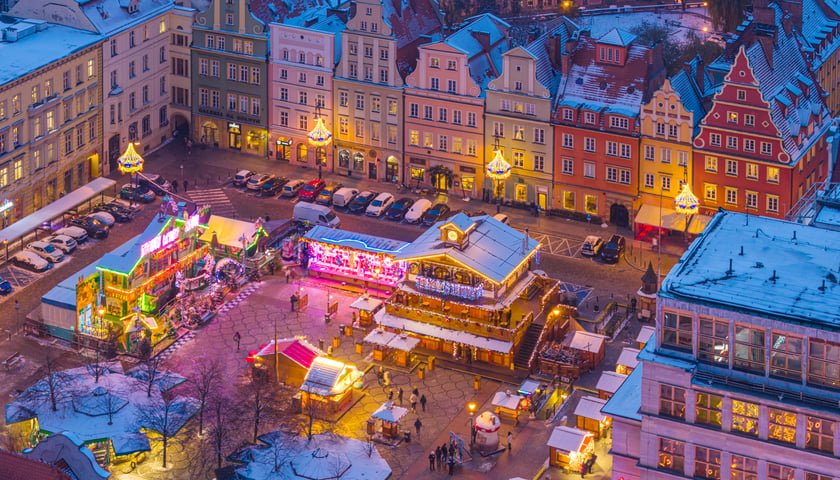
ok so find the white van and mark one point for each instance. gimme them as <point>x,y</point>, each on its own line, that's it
<point>343,196</point>
<point>379,204</point>
<point>315,214</point>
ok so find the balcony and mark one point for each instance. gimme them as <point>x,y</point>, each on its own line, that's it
<point>824,400</point>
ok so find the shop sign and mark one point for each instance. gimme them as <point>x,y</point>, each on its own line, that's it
<point>6,206</point>
<point>165,239</point>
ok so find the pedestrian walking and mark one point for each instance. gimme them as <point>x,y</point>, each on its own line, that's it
<point>509,438</point>
<point>400,396</point>
<point>582,469</point>
<point>175,186</point>
<point>538,210</point>
<point>469,355</point>
<point>451,465</point>
<point>413,400</point>
<point>438,457</point>
<point>267,218</point>
<point>452,450</point>
<point>423,402</point>
<point>293,300</point>
<point>432,462</point>
<point>417,425</point>
<point>185,185</point>
<point>288,274</point>
<point>415,391</point>
<point>236,339</point>
<point>390,394</point>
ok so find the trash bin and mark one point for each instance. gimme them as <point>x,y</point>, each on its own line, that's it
<point>407,436</point>
<point>348,330</point>
<point>421,372</point>
<point>371,426</point>
<point>477,382</point>
<point>360,348</point>
<point>336,342</point>
<point>431,362</point>
<point>321,343</point>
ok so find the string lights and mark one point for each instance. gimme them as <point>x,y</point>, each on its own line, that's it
<point>378,267</point>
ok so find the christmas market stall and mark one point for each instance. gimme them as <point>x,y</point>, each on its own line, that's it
<point>229,238</point>
<point>571,449</point>
<point>508,405</point>
<point>367,307</point>
<point>289,358</point>
<point>384,423</point>
<point>589,416</point>
<point>355,258</point>
<point>627,360</point>
<point>608,383</point>
<point>328,385</point>
<point>398,346</point>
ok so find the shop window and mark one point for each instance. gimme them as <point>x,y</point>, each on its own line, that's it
<point>302,153</point>
<point>782,426</point>
<point>745,417</point>
<point>569,200</point>
<point>708,409</point>
<point>671,455</point>
<point>591,204</point>
<point>749,348</point>
<point>344,159</point>
<point>706,463</point>
<point>418,174</point>
<point>521,192</point>
<point>819,434</point>
<point>677,330</point>
<point>713,341</point>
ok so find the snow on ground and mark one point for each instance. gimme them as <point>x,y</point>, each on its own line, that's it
<point>679,23</point>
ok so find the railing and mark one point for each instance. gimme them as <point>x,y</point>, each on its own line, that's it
<point>782,394</point>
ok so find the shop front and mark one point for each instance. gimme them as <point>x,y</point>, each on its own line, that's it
<point>351,161</point>
<point>571,449</point>
<point>328,386</point>
<point>283,149</point>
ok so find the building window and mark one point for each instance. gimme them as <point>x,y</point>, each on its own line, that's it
<point>428,140</point>
<point>443,144</point>
<point>471,119</point>
<point>672,401</point>
<point>255,75</point>
<point>751,199</point>
<point>666,183</point>
<point>650,180</point>
<point>782,425</point>
<point>435,83</point>
<point>816,476</point>
<point>779,472</point>
<point>392,107</point>
<point>714,139</point>
<point>457,144</point>
<point>786,355</point>
<point>518,158</point>
<point>650,153</point>
<point>456,117</point>
<point>303,98</point>
<point>706,463</point>
<point>443,115</point>
<point>682,158</point>
<point>413,110</point>
<point>624,176</point>
<point>749,348</point>
<point>498,129</point>
<point>539,136</point>
<point>360,102</point>
<point>773,203</point>
<point>568,114</point>
<point>145,94</point>
<point>708,409</point>
<point>589,118</point>
<point>766,148</point>
<point>539,162</point>
<point>665,155</point>
<point>731,168</point>
<point>451,86</point>
<point>612,148</point>
<point>732,142</point>
<point>749,145</point>
<point>677,330</point>
<point>743,468</point>
<point>590,204</point>
<point>671,455</point>
<point>568,200</point>
<point>745,417</point>
<point>303,122</point>
<point>471,148</point>
<point>749,120</point>
<point>732,117</point>
<point>229,19</point>
<point>672,131</point>
<point>568,166</point>
<point>619,122</point>
<point>131,42</point>
<point>731,196</point>
<point>772,175</point>
<point>360,129</point>
<point>221,42</point>
<point>823,362</point>
<point>711,164</point>
<point>713,341</point>
<point>819,434</point>
<point>343,99</point>
<point>612,174</point>
<point>518,132</point>
<point>626,151</point>
<point>427,112</point>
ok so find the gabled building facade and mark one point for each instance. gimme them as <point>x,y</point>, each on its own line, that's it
<point>230,77</point>
<point>135,63</point>
<point>179,79</point>
<point>763,142</point>
<point>819,24</point>
<point>444,98</point>
<point>596,125</point>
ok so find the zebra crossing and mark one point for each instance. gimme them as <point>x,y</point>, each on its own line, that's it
<point>175,346</point>
<point>218,200</point>
<point>243,294</point>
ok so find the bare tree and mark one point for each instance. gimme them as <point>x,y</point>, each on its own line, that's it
<point>257,393</point>
<point>148,372</point>
<point>167,418</point>
<point>205,380</point>
<point>314,413</point>
<point>97,367</point>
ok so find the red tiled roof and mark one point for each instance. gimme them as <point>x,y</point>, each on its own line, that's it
<point>299,353</point>
<point>18,467</point>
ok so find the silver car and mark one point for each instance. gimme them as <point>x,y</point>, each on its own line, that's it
<point>46,251</point>
<point>65,243</point>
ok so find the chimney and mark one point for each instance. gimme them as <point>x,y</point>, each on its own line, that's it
<point>794,10</point>
<point>700,73</point>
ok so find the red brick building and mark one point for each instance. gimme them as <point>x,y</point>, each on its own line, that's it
<point>596,128</point>
<point>763,142</point>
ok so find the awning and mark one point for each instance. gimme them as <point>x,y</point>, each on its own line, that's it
<point>56,209</point>
<point>645,333</point>
<point>590,407</point>
<point>392,340</point>
<point>698,223</point>
<point>610,381</point>
<point>666,218</point>
<point>229,231</point>
<point>405,344</point>
<point>588,342</point>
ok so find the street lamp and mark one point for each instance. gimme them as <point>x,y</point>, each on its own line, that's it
<point>319,138</point>
<point>686,202</point>
<point>130,162</point>
<point>498,170</point>
<point>472,406</point>
<point>100,316</point>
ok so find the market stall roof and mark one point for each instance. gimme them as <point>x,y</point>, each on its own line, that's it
<point>366,304</point>
<point>297,350</point>
<point>130,443</point>
<point>358,241</point>
<point>698,224</point>
<point>507,400</point>
<point>494,250</point>
<point>529,386</point>
<point>609,381</point>
<point>404,343</point>
<point>389,412</point>
<point>55,209</point>
<point>324,377</point>
<point>380,337</point>
<point>429,330</point>
<point>567,439</point>
<point>588,342</point>
<point>627,400</point>
<point>229,231</point>
<point>645,334</point>
<point>661,217</point>
<point>627,357</point>
<point>590,407</point>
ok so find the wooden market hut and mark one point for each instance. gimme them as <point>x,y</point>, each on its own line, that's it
<point>295,357</point>
<point>608,383</point>
<point>388,344</point>
<point>644,336</point>
<point>627,361</point>
<point>328,385</point>
<point>570,447</point>
<point>590,346</point>
<point>385,421</point>
<point>507,405</point>
<point>367,307</point>
<point>589,416</point>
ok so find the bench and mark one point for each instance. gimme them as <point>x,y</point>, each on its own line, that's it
<point>13,360</point>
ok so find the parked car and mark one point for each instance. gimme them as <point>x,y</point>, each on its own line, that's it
<point>417,210</point>
<point>46,251</point>
<point>76,233</point>
<point>592,246</point>
<point>30,261</point>
<point>242,177</point>
<point>312,214</point>
<point>502,217</point>
<point>137,193</point>
<point>273,186</point>
<point>343,196</point>
<point>613,250</point>
<point>257,181</point>
<point>399,209</point>
<point>326,195</point>
<point>155,183</point>
<point>379,205</point>
<point>437,212</point>
<point>361,202</point>
<point>104,217</point>
<point>92,226</point>
<point>120,213</point>
<point>291,189</point>
<point>312,189</point>
<point>5,287</point>
<point>65,243</point>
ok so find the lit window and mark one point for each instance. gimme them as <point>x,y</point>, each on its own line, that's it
<point>745,417</point>
<point>671,401</point>
<point>708,409</point>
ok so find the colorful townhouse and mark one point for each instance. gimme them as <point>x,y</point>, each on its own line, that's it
<point>444,98</point>
<point>304,52</point>
<point>179,83</point>
<point>378,48</point>
<point>596,125</point>
<point>763,142</point>
<point>668,123</point>
<point>819,24</point>
<point>517,114</point>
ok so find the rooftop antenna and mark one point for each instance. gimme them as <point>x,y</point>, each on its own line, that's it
<point>774,277</point>
<point>794,234</point>
<point>730,271</point>
<point>822,288</point>
<point>742,252</point>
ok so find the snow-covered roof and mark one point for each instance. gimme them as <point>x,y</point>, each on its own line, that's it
<point>590,407</point>
<point>165,380</point>
<point>587,341</point>
<point>366,304</point>
<point>609,381</point>
<point>627,400</point>
<point>380,337</point>
<point>447,334</point>
<point>819,29</point>
<point>627,357</point>
<point>322,456</point>
<point>645,334</point>
<point>389,412</point>
<point>357,241</point>
<point>567,439</point>
<point>483,39</point>
<point>105,17</point>
<point>507,400</point>
<point>769,267</point>
<point>228,231</point>
<point>297,350</point>
<point>328,377</point>
<point>690,92</point>
<point>494,250</point>
<point>547,75</point>
<point>617,37</point>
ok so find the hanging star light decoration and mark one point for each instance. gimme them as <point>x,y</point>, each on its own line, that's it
<point>686,203</point>
<point>498,168</point>
<point>130,161</point>
<point>320,136</point>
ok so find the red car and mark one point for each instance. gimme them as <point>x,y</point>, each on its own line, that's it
<point>311,190</point>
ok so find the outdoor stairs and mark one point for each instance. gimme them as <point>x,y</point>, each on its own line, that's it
<point>529,342</point>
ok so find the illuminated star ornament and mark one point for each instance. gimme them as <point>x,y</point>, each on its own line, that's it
<point>498,168</point>
<point>130,161</point>
<point>686,203</point>
<point>320,136</point>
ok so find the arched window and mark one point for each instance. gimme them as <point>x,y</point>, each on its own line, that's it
<point>302,153</point>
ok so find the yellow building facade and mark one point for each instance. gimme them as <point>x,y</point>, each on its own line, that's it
<point>50,115</point>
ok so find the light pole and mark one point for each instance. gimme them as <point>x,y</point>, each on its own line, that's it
<point>686,202</point>
<point>472,406</point>
<point>498,170</point>
<point>131,162</point>
<point>319,138</point>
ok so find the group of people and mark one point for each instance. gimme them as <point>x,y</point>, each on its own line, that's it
<point>413,399</point>
<point>441,457</point>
